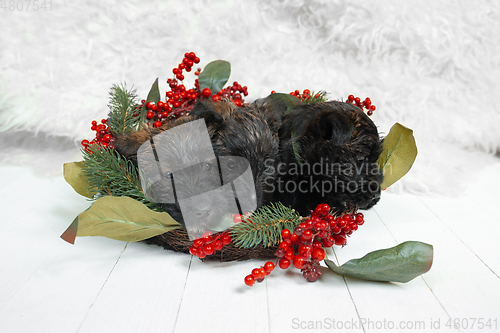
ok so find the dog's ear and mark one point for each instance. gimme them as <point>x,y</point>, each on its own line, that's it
<point>206,111</point>
<point>332,127</point>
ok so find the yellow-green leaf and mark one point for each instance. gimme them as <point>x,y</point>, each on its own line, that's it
<point>401,263</point>
<point>76,178</point>
<point>399,151</point>
<point>120,218</point>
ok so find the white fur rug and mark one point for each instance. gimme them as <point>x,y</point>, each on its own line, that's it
<point>434,66</point>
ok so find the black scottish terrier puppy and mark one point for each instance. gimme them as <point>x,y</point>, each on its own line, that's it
<point>206,183</point>
<point>328,154</point>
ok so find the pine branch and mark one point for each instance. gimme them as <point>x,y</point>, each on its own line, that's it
<point>111,174</point>
<point>265,226</point>
<point>124,114</point>
<point>316,97</point>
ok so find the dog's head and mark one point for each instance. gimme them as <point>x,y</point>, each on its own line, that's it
<point>337,145</point>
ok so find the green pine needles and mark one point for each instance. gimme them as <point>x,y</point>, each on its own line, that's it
<point>111,174</point>
<point>124,114</point>
<point>264,226</point>
<point>316,97</point>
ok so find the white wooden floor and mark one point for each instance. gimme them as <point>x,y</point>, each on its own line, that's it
<point>102,285</point>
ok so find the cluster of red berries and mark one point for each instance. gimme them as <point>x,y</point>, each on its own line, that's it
<point>208,244</point>
<point>366,104</point>
<point>103,136</point>
<point>232,94</point>
<point>306,94</point>
<point>258,274</point>
<point>304,248</point>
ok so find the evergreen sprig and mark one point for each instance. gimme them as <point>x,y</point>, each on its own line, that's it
<point>109,173</point>
<point>264,226</point>
<point>316,97</point>
<point>124,115</point>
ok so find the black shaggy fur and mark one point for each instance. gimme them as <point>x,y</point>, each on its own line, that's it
<point>239,132</point>
<point>328,154</point>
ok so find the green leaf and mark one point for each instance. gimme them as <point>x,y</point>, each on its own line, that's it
<point>215,75</point>
<point>153,96</point>
<point>120,218</point>
<point>401,263</point>
<point>154,93</point>
<point>74,176</point>
<point>289,100</point>
<point>399,151</point>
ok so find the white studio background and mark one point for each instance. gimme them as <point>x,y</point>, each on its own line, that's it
<point>433,66</point>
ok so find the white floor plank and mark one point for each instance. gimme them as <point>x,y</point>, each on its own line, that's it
<point>143,293</point>
<point>463,285</point>
<point>217,300</point>
<point>386,305</point>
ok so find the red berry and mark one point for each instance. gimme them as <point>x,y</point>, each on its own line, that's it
<point>193,250</point>
<point>263,272</point>
<point>307,235</point>
<point>201,253</point>
<point>298,231</point>
<point>198,242</point>
<point>216,98</point>
<point>249,280</point>
<point>85,143</point>
<point>328,242</point>
<point>318,254</point>
<point>157,123</point>
<point>149,115</point>
<point>237,218</point>
<point>298,262</point>
<point>290,254</point>
<point>294,238</point>
<point>339,240</point>
<point>196,60</point>
<point>226,239</point>
<point>269,266</point>
<point>237,102</point>
<point>209,249</point>
<point>284,245</point>
<point>316,244</point>
<point>206,92</point>
<point>284,263</point>
<point>285,233</point>
<point>256,273</point>
<point>342,223</point>
<point>217,245</point>
<point>372,107</point>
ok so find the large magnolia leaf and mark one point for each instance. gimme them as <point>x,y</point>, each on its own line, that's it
<point>398,154</point>
<point>401,263</point>
<point>120,218</point>
<point>215,75</point>
<point>74,176</point>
